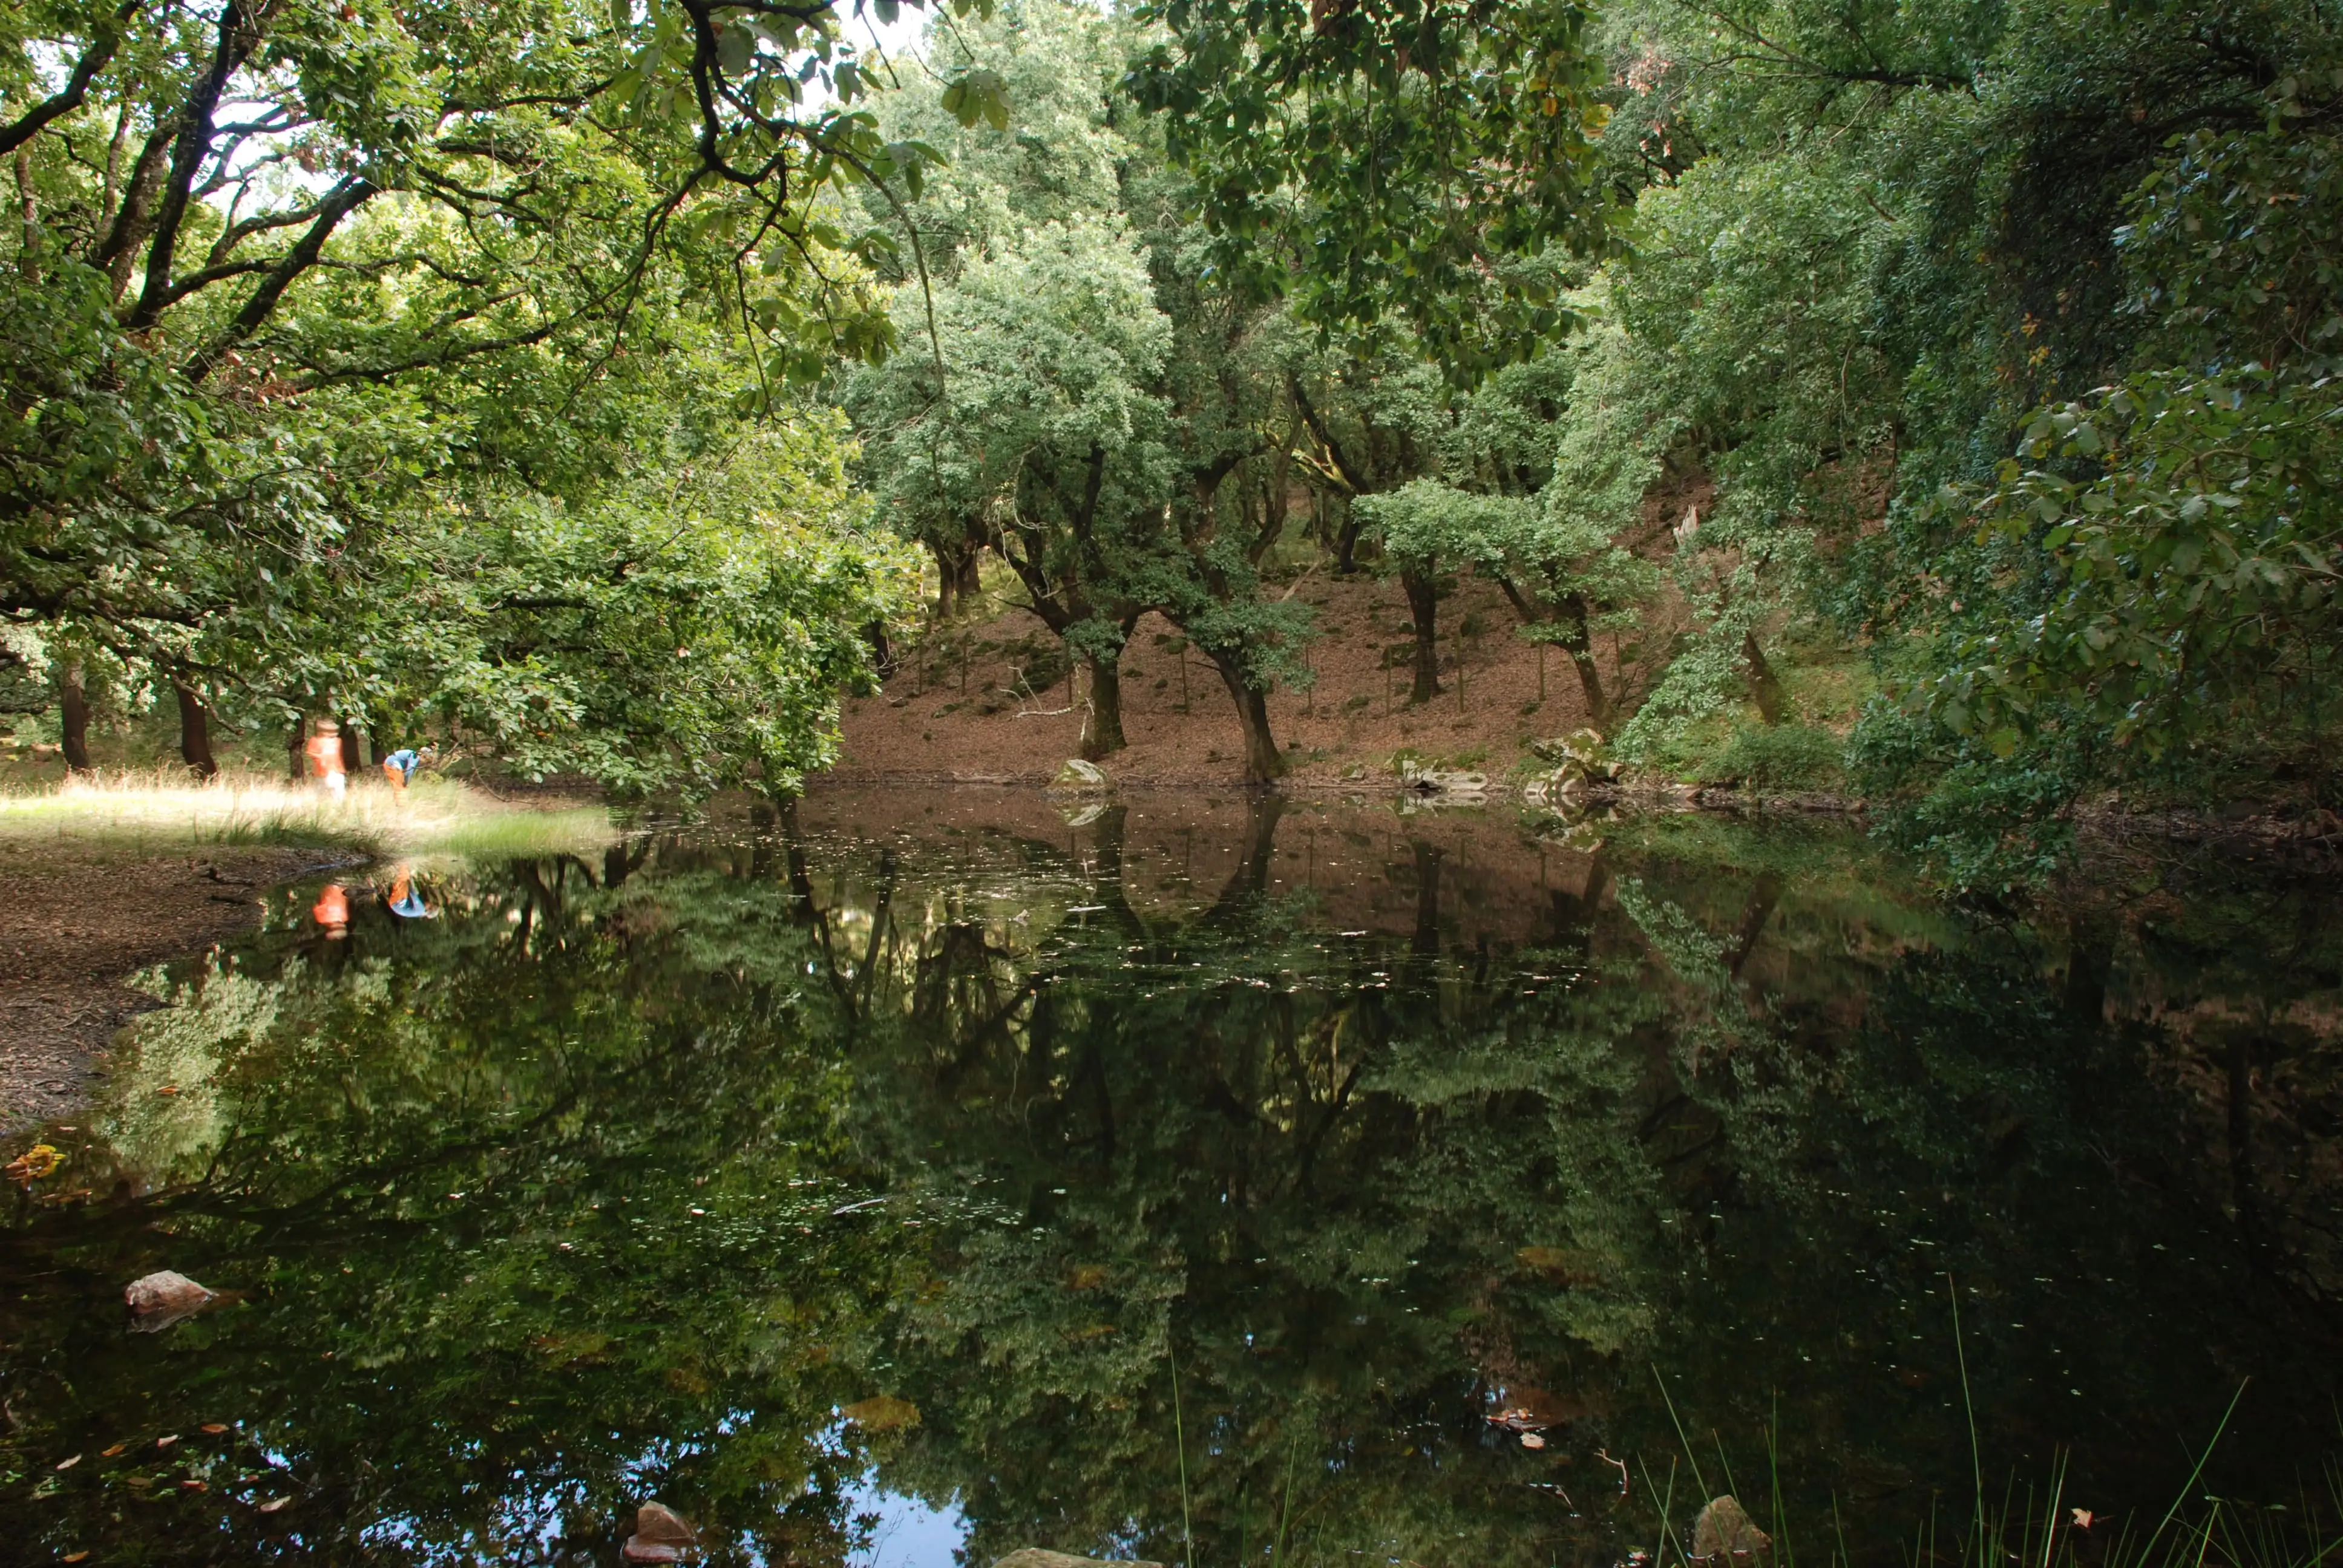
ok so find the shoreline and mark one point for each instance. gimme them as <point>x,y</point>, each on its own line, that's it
<point>78,920</point>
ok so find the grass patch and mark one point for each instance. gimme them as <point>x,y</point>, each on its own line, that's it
<point>164,810</point>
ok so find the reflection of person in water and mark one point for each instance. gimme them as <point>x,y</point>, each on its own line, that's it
<point>332,910</point>
<point>407,901</point>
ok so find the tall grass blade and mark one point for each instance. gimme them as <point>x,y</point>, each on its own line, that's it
<point>1180,1433</point>
<point>1969,1408</point>
<point>2190,1485</point>
<point>1683,1442</point>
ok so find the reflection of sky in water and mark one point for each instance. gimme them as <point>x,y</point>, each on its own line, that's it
<point>909,1533</point>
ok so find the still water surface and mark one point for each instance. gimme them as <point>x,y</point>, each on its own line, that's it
<point>929,1174</point>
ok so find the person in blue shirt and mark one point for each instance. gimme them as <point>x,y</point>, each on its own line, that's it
<point>400,764</point>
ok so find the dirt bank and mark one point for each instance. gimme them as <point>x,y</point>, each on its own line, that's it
<point>958,709</point>
<point>77,919</point>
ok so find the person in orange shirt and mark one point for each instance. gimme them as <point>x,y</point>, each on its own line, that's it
<point>325,753</point>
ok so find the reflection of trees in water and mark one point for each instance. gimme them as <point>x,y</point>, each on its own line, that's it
<point>1360,1186</point>
<point>454,1179</point>
<point>1333,1165</point>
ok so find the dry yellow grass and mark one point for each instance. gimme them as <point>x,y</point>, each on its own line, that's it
<point>151,809</point>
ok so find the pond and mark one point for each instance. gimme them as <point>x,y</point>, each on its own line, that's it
<point>915,1176</point>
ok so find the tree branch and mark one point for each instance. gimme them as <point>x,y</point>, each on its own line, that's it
<point>236,41</point>
<point>93,60</point>
<point>344,200</point>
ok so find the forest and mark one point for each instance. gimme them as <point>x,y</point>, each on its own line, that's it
<point>610,390</point>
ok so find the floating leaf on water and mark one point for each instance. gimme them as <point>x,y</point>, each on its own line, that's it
<point>33,1165</point>
<point>216,1427</point>
<point>274,1503</point>
<point>884,1413</point>
<point>69,1463</point>
<point>1531,1440</point>
<point>2083,1517</point>
<point>1562,1266</point>
<point>116,1451</point>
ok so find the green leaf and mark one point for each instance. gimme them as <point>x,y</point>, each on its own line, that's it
<point>735,46</point>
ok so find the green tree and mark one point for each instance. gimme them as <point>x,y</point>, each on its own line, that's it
<point>298,283</point>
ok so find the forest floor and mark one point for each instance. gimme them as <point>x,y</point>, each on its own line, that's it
<point>988,699</point>
<point>959,708</point>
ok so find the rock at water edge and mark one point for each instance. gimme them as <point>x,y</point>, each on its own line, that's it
<point>1724,1534</point>
<point>661,1534</point>
<point>1040,1557</point>
<point>161,1299</point>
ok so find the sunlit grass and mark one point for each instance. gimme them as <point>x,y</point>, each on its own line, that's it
<point>164,808</point>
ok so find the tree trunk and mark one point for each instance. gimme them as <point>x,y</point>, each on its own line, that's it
<point>1263,763</point>
<point>956,578</point>
<point>1346,542</point>
<point>1103,736</point>
<point>1575,617</point>
<point>28,254</point>
<point>295,758</point>
<point>1590,681</point>
<point>195,728</point>
<point>73,717</point>
<point>1424,605</point>
<point>119,254</point>
<point>1764,684</point>
<point>1578,642</point>
<point>350,747</point>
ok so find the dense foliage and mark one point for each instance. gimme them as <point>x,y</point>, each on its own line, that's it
<point>429,367</point>
<point>465,369</point>
<point>1986,356</point>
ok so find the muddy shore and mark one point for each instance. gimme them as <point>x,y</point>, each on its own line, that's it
<point>78,921</point>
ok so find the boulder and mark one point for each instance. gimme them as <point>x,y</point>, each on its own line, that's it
<point>1581,755</point>
<point>1039,1557</point>
<point>1421,781</point>
<point>161,1299</point>
<point>1724,1535</point>
<point>1078,774</point>
<point>661,1535</point>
